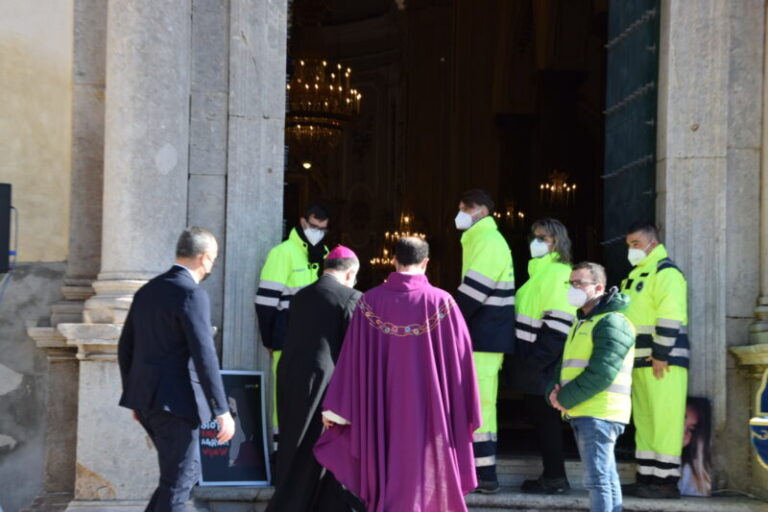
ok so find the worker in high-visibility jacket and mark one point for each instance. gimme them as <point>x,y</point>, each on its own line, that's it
<point>486,298</point>
<point>659,311</point>
<point>544,318</point>
<point>594,381</point>
<point>290,266</point>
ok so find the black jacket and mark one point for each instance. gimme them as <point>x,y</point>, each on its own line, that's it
<point>166,352</point>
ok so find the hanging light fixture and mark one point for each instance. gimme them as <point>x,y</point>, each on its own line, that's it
<point>557,191</point>
<point>321,101</point>
<point>405,229</point>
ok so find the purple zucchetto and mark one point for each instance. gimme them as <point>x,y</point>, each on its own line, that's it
<point>341,252</point>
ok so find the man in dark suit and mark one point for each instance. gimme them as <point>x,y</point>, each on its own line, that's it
<point>169,367</point>
<point>317,323</point>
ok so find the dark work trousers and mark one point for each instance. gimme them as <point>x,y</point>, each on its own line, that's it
<point>176,441</point>
<point>549,430</point>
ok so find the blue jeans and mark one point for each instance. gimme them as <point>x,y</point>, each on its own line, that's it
<point>596,440</point>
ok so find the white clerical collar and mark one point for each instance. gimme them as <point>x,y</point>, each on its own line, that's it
<point>411,273</point>
<point>192,274</point>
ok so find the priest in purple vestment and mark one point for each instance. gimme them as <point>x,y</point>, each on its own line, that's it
<point>403,402</point>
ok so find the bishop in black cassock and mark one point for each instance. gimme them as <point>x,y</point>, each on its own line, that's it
<point>317,322</point>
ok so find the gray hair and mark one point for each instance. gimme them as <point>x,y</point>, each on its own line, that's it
<point>341,264</point>
<point>194,241</point>
<point>596,270</point>
<point>562,242</point>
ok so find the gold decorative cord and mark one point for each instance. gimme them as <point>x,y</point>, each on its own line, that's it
<point>405,330</point>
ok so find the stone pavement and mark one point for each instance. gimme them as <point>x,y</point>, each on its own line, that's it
<point>253,499</point>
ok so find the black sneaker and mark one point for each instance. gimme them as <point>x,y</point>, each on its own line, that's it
<point>546,486</point>
<point>629,489</point>
<point>658,491</point>
<point>487,486</point>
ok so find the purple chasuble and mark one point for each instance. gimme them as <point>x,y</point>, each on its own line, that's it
<point>406,383</point>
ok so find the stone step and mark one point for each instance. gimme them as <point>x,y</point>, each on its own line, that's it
<point>509,499</point>
<point>255,499</point>
<point>512,471</point>
<point>50,502</point>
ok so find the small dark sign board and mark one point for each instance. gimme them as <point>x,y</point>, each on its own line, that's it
<point>242,460</point>
<point>5,226</point>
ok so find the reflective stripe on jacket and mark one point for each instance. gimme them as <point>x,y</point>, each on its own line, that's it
<point>614,402</point>
<point>659,310</point>
<point>486,295</point>
<point>286,271</point>
<point>544,318</point>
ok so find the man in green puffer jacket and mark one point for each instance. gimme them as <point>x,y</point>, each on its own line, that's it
<point>593,383</point>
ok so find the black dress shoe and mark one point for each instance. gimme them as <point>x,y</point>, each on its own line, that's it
<point>487,486</point>
<point>658,491</point>
<point>629,489</point>
<point>546,486</point>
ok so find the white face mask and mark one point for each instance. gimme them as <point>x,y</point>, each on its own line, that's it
<point>463,220</point>
<point>539,248</point>
<point>636,256</point>
<point>314,235</point>
<point>576,297</point>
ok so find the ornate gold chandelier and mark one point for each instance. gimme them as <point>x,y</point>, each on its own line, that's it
<point>557,190</point>
<point>320,103</point>
<point>405,229</point>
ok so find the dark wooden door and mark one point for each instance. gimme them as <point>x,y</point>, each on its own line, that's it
<point>630,125</point>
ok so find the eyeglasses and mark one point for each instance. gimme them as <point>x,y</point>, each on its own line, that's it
<point>577,283</point>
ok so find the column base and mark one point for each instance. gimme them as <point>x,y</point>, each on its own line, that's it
<point>752,360</point>
<point>70,310</point>
<point>116,463</point>
<point>112,300</point>
<point>758,331</point>
<point>107,506</point>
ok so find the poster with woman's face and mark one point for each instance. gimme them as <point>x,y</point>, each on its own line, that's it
<point>242,460</point>
<point>695,479</point>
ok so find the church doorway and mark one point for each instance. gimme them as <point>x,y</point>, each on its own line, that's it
<point>456,94</point>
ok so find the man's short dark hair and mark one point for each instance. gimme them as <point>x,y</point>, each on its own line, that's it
<point>477,197</point>
<point>645,228</point>
<point>194,241</point>
<point>411,250</point>
<point>596,270</point>
<point>341,264</point>
<point>317,211</point>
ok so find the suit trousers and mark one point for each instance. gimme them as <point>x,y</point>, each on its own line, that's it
<point>176,441</point>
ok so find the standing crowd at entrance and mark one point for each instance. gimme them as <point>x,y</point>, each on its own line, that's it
<point>387,400</point>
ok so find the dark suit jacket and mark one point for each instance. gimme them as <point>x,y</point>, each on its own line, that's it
<point>166,352</point>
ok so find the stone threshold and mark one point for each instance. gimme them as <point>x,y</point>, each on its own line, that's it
<point>255,498</point>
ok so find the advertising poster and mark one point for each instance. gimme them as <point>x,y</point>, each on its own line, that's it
<point>242,460</point>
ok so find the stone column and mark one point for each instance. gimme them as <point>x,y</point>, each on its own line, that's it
<point>61,416</point>
<point>146,145</point>
<point>88,80</point>
<point>752,359</point>
<point>709,147</point>
<point>759,329</point>
<point>255,167</point>
<point>692,144</point>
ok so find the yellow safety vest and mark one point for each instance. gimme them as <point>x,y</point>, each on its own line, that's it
<point>613,403</point>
